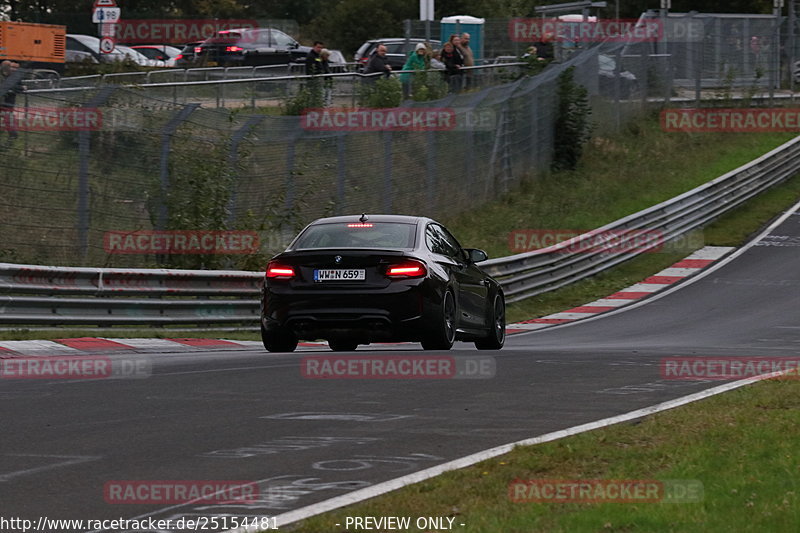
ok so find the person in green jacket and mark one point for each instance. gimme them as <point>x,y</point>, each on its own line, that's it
<point>416,61</point>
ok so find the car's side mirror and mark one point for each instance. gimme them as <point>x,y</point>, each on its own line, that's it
<point>476,256</point>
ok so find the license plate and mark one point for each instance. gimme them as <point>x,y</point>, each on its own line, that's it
<point>211,63</point>
<point>340,274</point>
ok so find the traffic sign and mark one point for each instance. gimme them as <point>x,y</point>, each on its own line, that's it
<point>107,45</point>
<point>105,3</point>
<point>108,15</point>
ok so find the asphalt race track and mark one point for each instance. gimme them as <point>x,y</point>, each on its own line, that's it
<point>247,415</point>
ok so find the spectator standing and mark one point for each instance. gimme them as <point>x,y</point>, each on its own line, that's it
<point>544,48</point>
<point>453,61</point>
<point>327,84</point>
<point>378,62</point>
<point>10,86</point>
<point>418,60</point>
<point>314,59</point>
<point>469,58</point>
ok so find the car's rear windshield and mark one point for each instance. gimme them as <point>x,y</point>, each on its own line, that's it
<point>391,235</point>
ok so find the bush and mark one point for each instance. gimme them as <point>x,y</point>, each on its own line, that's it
<point>383,92</point>
<point>428,85</point>
<point>572,126</point>
<point>309,96</point>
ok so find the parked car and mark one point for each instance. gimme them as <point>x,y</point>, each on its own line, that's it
<point>137,57</point>
<point>188,55</point>
<point>397,51</point>
<point>91,45</point>
<point>79,56</point>
<point>337,62</point>
<point>162,53</point>
<point>251,47</point>
<point>359,279</point>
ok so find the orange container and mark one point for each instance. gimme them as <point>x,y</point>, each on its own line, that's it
<point>38,43</point>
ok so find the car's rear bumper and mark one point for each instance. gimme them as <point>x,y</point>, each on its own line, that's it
<point>399,312</point>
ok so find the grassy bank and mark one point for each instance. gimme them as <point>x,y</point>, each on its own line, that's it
<point>617,177</point>
<point>741,446</point>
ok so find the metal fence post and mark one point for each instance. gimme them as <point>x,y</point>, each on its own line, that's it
<point>341,172</point>
<point>617,90</point>
<point>430,169</point>
<point>233,158</point>
<point>166,140</point>
<point>387,172</point>
<point>533,151</point>
<point>84,141</point>
<point>290,161</point>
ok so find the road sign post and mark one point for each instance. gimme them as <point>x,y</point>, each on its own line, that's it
<point>106,14</point>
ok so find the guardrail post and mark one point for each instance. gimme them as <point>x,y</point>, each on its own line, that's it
<point>233,158</point>
<point>84,140</point>
<point>166,140</point>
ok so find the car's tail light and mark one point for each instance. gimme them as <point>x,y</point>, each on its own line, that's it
<point>276,270</point>
<point>359,225</point>
<point>233,48</point>
<point>179,56</point>
<point>198,49</point>
<point>406,269</point>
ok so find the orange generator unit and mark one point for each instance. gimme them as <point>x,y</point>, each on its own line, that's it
<point>33,45</point>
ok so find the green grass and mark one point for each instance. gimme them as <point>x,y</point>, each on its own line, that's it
<point>742,446</point>
<point>617,177</point>
<point>732,229</point>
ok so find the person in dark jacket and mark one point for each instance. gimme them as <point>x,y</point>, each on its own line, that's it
<point>314,60</point>
<point>453,61</point>
<point>378,62</point>
<point>10,86</point>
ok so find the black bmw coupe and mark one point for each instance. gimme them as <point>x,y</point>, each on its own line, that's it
<point>380,278</point>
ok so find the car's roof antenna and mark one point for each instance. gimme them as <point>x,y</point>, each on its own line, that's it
<point>363,218</point>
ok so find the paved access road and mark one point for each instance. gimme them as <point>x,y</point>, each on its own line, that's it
<point>247,415</point>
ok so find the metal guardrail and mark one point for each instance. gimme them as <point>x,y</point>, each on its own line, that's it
<point>257,76</point>
<point>42,295</point>
<point>531,273</point>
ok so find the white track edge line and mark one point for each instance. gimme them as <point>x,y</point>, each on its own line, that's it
<point>469,460</point>
<point>719,263</point>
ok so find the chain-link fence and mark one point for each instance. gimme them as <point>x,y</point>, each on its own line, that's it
<point>151,163</point>
<point>209,156</point>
